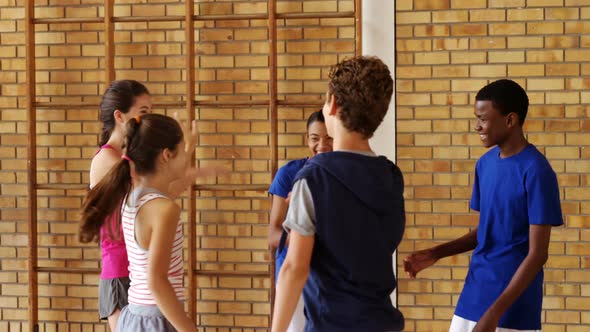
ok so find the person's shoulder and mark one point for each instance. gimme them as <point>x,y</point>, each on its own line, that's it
<point>297,163</point>
<point>533,154</point>
<point>106,156</point>
<point>159,202</point>
<point>536,161</point>
<point>160,208</point>
<point>311,166</point>
<point>293,166</point>
<point>490,154</point>
<point>488,157</point>
<point>101,164</point>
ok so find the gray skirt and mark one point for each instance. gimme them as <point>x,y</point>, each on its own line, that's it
<point>136,317</point>
<point>112,295</point>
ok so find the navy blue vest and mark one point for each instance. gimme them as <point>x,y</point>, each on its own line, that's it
<point>360,220</point>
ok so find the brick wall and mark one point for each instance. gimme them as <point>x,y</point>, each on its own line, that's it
<point>231,65</point>
<point>446,51</point>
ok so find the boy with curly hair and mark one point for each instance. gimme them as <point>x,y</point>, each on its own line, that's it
<point>346,216</point>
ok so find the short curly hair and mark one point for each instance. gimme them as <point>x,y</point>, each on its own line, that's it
<point>362,87</point>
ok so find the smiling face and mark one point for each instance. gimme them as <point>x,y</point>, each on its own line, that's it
<point>318,139</point>
<point>493,127</point>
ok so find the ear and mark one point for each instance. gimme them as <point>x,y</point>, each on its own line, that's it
<point>511,120</point>
<point>333,106</point>
<point>119,117</point>
<point>166,155</point>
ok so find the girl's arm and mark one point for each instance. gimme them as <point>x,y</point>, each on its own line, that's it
<point>278,211</point>
<point>292,278</point>
<point>161,217</point>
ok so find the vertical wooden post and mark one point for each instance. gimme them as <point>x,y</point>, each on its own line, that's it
<point>358,25</point>
<point>273,118</point>
<point>109,31</point>
<point>192,213</point>
<point>31,164</point>
<point>272,62</point>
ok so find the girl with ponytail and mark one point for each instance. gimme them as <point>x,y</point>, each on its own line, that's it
<point>123,100</point>
<point>156,151</point>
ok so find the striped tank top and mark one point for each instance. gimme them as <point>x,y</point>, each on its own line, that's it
<point>139,292</point>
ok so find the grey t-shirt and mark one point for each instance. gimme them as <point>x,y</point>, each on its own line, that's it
<point>301,214</point>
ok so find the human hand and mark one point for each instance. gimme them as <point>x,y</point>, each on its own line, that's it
<point>190,135</point>
<point>487,323</point>
<point>418,261</point>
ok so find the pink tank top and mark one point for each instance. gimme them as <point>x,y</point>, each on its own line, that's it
<point>114,254</point>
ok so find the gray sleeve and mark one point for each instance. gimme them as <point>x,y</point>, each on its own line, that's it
<point>301,213</point>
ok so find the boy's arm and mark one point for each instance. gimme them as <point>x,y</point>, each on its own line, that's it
<point>292,278</point>
<point>525,274</point>
<point>422,259</point>
<point>463,244</point>
<point>295,269</point>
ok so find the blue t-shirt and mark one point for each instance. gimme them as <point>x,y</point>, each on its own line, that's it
<point>283,182</point>
<point>281,186</point>
<point>510,194</point>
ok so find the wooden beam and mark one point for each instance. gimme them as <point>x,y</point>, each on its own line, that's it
<point>33,313</point>
<point>273,118</point>
<point>189,37</point>
<point>358,26</point>
<point>178,18</point>
<point>109,31</point>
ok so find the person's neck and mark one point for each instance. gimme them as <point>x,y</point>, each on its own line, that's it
<point>351,141</point>
<point>116,141</point>
<point>158,182</point>
<point>513,145</point>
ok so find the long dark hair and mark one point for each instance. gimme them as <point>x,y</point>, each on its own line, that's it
<point>145,139</point>
<point>120,95</point>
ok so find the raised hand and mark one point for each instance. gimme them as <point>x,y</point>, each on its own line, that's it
<point>191,134</point>
<point>418,261</point>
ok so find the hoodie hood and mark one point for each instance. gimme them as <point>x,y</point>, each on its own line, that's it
<point>370,179</point>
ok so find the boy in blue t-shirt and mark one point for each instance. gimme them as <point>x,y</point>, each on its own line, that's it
<point>517,196</point>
